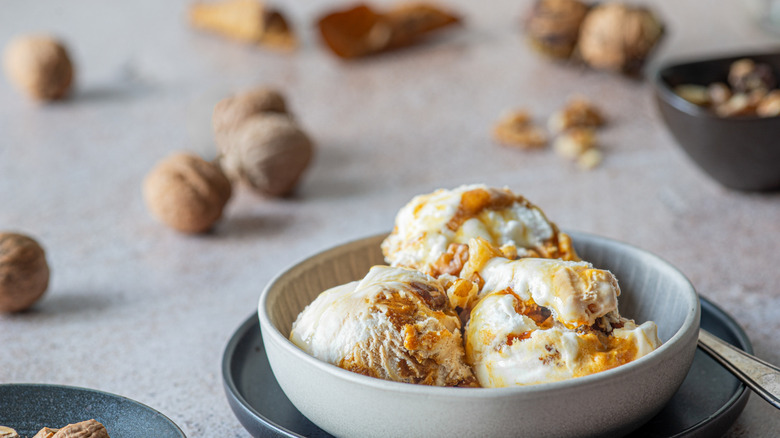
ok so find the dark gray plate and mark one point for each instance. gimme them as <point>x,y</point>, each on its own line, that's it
<point>707,403</point>
<point>30,407</point>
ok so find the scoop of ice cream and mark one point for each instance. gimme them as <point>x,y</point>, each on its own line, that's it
<point>539,320</point>
<point>575,292</point>
<point>431,231</point>
<point>394,324</point>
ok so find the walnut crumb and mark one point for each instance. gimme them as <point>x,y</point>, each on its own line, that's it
<point>517,129</point>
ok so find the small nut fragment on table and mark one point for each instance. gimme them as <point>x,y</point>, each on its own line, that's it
<point>84,429</point>
<point>362,30</point>
<point>7,432</point>
<point>578,112</point>
<point>618,37</point>
<point>230,112</point>
<point>46,432</point>
<point>517,129</point>
<point>553,26</point>
<point>24,272</point>
<point>249,21</point>
<point>579,144</point>
<point>746,75</point>
<point>39,65</point>
<point>268,151</point>
<point>186,192</point>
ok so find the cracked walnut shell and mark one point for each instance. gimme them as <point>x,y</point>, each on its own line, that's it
<point>39,66</point>
<point>24,273</point>
<point>269,152</point>
<point>186,192</point>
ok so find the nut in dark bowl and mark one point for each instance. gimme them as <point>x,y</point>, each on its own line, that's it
<point>729,140</point>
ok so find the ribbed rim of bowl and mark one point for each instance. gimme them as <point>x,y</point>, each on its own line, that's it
<point>668,95</point>
<point>654,358</point>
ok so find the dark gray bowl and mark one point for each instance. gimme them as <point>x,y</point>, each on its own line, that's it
<point>741,153</point>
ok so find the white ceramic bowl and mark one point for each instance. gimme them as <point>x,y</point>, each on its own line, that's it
<point>610,403</point>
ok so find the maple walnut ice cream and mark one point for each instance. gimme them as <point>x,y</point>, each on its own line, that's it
<point>533,312</point>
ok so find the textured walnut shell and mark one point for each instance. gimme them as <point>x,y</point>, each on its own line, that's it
<point>553,26</point>
<point>186,192</point>
<point>7,432</point>
<point>84,429</point>
<point>39,66</point>
<point>230,112</point>
<point>24,273</point>
<point>618,37</point>
<point>269,152</point>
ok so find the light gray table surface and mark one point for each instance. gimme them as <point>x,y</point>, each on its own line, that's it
<point>136,309</point>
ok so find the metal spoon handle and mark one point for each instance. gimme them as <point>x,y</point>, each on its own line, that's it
<point>762,377</point>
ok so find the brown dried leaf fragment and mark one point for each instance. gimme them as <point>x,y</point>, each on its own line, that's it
<point>84,429</point>
<point>361,30</point>
<point>24,272</point>
<point>516,129</point>
<point>249,21</point>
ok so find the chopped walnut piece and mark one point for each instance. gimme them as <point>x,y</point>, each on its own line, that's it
<point>578,112</point>
<point>718,93</point>
<point>575,142</point>
<point>740,104</point>
<point>249,21</point>
<point>746,75</point>
<point>516,129</point>
<point>769,106</point>
<point>695,94</point>
<point>362,30</point>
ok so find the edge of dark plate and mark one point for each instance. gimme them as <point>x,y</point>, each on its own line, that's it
<point>258,424</point>
<point>99,393</point>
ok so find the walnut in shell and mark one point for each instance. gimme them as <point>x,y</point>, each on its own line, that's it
<point>618,37</point>
<point>24,272</point>
<point>186,192</point>
<point>39,66</point>
<point>553,26</point>
<point>269,152</point>
<point>230,112</point>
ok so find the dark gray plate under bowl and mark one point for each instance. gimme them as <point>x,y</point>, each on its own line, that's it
<point>706,405</point>
<point>30,407</point>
